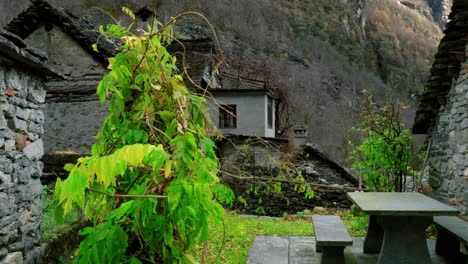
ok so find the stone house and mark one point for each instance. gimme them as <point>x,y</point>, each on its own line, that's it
<point>241,102</point>
<point>23,71</point>
<point>73,113</point>
<point>443,114</point>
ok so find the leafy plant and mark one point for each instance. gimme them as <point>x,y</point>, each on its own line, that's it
<point>148,186</point>
<point>385,156</point>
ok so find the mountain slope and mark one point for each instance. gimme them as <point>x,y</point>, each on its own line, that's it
<point>324,52</point>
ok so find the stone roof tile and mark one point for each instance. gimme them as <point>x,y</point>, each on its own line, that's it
<point>14,49</point>
<point>446,67</point>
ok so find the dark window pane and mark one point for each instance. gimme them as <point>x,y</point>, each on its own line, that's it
<point>227,116</point>
<point>270,112</point>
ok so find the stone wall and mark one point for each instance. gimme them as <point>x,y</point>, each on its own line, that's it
<point>259,159</point>
<point>73,114</point>
<point>447,164</point>
<point>21,126</point>
<point>288,201</point>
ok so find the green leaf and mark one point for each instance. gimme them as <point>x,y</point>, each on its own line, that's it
<point>190,141</point>
<point>172,128</point>
<point>68,167</point>
<point>123,210</point>
<point>173,196</point>
<point>58,215</point>
<point>134,260</point>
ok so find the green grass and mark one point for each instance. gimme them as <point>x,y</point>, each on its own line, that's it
<point>231,243</point>
<point>49,229</point>
<point>240,232</point>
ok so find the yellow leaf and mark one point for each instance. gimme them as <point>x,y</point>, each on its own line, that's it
<point>111,61</point>
<point>168,170</point>
<point>128,12</point>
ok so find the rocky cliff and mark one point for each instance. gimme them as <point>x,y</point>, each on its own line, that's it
<point>440,10</point>
<point>325,53</point>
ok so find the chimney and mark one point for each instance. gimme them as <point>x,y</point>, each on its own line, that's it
<point>300,136</point>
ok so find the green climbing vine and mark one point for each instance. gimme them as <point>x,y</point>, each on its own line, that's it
<point>147,187</point>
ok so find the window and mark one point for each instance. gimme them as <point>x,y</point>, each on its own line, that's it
<point>227,116</point>
<point>270,112</point>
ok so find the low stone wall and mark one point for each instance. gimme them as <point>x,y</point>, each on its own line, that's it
<point>288,201</point>
<point>21,126</point>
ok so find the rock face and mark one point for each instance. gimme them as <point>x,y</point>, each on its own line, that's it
<point>21,125</point>
<point>440,10</point>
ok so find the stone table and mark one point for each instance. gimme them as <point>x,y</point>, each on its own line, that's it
<point>397,224</point>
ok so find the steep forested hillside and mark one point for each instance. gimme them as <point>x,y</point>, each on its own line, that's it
<point>325,52</point>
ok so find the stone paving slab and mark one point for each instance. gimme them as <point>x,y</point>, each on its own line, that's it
<point>301,250</point>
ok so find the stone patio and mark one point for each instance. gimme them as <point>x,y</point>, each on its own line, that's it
<point>298,250</point>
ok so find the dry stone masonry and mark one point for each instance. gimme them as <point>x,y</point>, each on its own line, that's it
<point>443,114</point>
<point>21,126</point>
<point>448,161</point>
<point>22,94</point>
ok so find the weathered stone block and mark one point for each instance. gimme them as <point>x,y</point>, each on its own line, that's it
<point>8,134</point>
<point>18,101</point>
<point>36,128</point>
<point>25,174</point>
<point>15,257</point>
<point>35,150</point>
<point>33,136</point>
<point>22,113</point>
<point>3,121</point>
<point>37,116</point>
<point>3,252</point>
<point>10,145</point>
<point>27,193</point>
<point>6,165</point>
<point>37,96</point>
<point>464,123</point>
<point>20,124</point>
<point>17,246</point>
<point>5,181</point>
<point>4,204</point>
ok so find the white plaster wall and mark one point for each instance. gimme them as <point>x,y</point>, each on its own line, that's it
<point>251,113</point>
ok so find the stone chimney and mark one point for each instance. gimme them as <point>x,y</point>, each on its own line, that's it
<point>300,136</point>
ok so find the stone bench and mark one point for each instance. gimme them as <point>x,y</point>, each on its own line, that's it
<point>332,237</point>
<point>452,238</point>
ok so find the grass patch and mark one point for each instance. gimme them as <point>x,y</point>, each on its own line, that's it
<point>240,232</point>
<point>231,243</point>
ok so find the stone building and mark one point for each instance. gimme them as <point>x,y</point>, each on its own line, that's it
<point>443,114</point>
<point>22,95</point>
<point>73,113</point>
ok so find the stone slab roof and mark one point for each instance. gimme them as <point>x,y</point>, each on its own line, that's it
<point>312,151</point>
<point>42,12</point>
<point>17,53</point>
<point>446,67</point>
